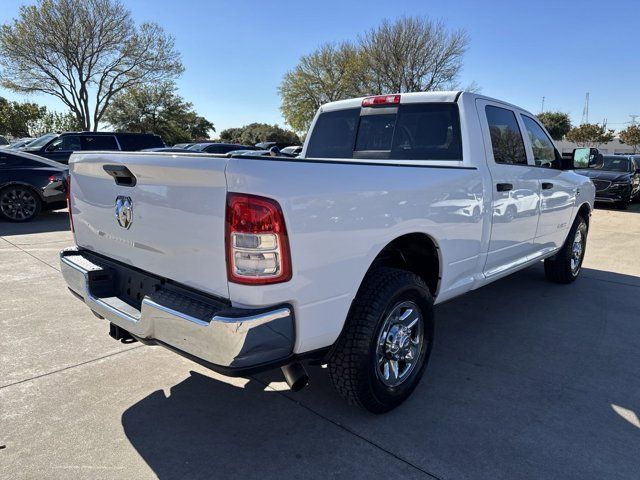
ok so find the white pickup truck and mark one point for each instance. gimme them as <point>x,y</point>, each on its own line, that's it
<point>397,202</point>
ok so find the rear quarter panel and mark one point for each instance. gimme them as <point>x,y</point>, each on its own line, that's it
<point>340,215</point>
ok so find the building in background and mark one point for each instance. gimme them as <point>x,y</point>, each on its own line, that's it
<point>610,148</point>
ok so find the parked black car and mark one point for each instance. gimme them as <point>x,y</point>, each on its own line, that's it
<point>616,178</point>
<point>168,149</point>
<point>29,184</point>
<point>268,145</point>
<point>60,147</point>
<point>211,147</point>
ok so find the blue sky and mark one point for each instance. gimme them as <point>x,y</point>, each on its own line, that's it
<point>236,52</point>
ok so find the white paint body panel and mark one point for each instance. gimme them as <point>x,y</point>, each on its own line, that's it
<point>178,215</point>
<point>339,215</point>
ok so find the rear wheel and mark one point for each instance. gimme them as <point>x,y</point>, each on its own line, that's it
<point>19,203</point>
<point>386,342</point>
<point>565,266</point>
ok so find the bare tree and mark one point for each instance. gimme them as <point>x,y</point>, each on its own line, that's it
<point>83,52</point>
<point>413,54</point>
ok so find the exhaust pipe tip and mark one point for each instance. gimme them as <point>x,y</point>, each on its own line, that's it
<point>296,376</point>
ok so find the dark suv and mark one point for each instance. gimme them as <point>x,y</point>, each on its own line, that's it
<point>616,177</point>
<point>60,147</point>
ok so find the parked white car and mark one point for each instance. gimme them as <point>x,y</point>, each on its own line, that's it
<point>516,203</point>
<point>338,256</point>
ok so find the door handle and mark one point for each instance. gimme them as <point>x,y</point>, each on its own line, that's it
<point>547,185</point>
<point>504,187</point>
<point>121,174</point>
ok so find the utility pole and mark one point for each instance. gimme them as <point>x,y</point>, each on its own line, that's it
<point>585,110</point>
<point>542,108</point>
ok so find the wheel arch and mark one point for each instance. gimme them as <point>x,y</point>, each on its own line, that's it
<point>416,252</point>
<point>585,212</point>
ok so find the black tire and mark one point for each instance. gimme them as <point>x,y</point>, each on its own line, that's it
<point>19,203</point>
<point>476,216</point>
<point>559,268</point>
<point>354,368</point>
<point>510,214</point>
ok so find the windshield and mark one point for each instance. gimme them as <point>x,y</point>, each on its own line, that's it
<point>198,147</point>
<point>40,142</point>
<point>613,164</point>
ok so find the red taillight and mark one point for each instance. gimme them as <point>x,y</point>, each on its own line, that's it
<point>68,195</point>
<point>53,178</point>
<point>256,240</point>
<point>381,100</point>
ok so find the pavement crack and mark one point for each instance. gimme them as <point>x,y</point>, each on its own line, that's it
<point>30,254</point>
<point>352,432</point>
<point>70,367</point>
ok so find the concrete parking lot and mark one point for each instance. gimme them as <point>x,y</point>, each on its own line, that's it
<point>528,379</point>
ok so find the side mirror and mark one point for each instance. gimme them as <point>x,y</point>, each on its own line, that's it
<point>585,157</point>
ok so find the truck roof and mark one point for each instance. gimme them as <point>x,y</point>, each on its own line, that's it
<point>415,97</point>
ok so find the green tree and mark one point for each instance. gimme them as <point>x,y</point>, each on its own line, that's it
<point>332,72</point>
<point>589,135</point>
<point>84,52</point>
<point>410,54</point>
<point>158,109</point>
<point>259,132</point>
<point>557,124</point>
<point>52,121</point>
<point>16,118</point>
<point>631,136</point>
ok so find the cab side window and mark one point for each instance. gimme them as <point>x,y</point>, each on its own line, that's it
<point>66,143</point>
<point>99,142</point>
<point>506,138</point>
<point>544,153</point>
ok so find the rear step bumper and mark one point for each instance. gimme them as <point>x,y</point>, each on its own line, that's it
<point>203,328</point>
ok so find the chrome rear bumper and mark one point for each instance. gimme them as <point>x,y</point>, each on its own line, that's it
<point>201,327</point>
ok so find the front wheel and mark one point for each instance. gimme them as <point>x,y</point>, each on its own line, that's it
<point>386,342</point>
<point>565,266</point>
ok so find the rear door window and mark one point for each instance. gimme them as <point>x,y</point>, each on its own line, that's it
<point>506,138</point>
<point>420,131</point>
<point>99,142</point>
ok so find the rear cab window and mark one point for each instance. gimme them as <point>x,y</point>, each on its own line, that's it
<point>413,131</point>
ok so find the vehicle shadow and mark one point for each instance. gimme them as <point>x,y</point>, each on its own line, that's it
<point>524,382</point>
<point>52,221</point>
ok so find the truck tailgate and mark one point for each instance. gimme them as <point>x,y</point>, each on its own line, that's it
<point>176,229</point>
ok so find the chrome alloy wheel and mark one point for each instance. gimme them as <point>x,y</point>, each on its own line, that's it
<point>577,252</point>
<point>400,344</point>
<point>18,203</point>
